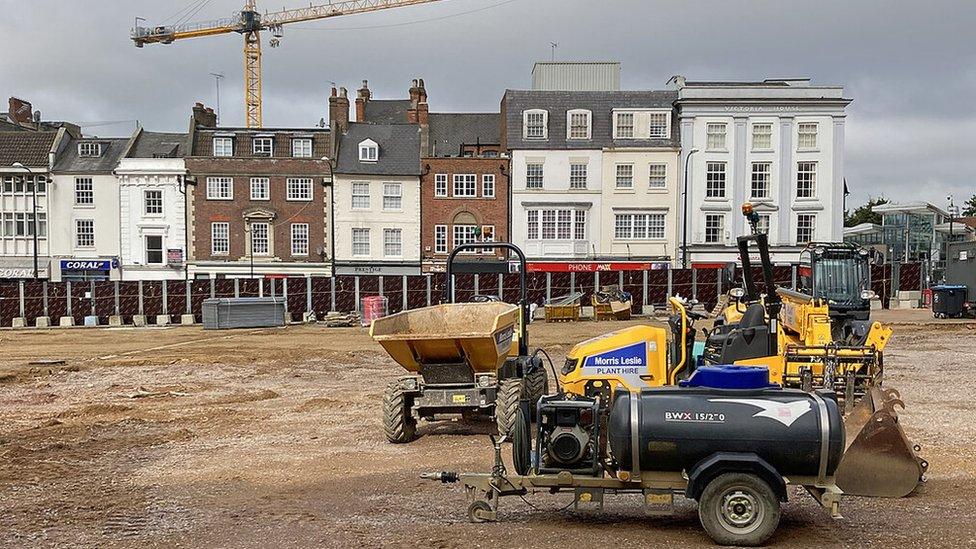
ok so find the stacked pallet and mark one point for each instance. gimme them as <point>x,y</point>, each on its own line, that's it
<point>335,319</point>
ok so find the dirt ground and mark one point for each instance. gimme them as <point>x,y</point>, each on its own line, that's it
<point>255,438</point>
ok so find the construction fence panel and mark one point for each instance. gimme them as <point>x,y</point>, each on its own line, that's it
<point>104,300</point>
<point>128,300</point>
<point>634,284</point>
<point>9,303</point>
<point>417,291</point>
<point>681,283</point>
<point>393,292</point>
<point>463,288</point>
<point>176,298</point>
<point>488,284</point>
<point>706,287</point>
<point>910,277</point>
<point>33,300</point>
<point>298,296</point>
<point>584,283</point>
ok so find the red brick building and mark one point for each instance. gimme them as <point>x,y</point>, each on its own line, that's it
<point>260,204</point>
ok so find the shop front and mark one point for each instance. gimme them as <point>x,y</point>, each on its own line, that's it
<point>19,268</point>
<point>77,270</point>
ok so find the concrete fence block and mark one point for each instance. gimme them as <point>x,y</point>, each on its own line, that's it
<point>187,320</point>
<point>19,322</point>
<point>308,316</point>
<point>66,321</point>
<point>42,322</point>
<point>91,321</point>
<point>163,320</point>
<point>139,320</point>
<point>115,320</point>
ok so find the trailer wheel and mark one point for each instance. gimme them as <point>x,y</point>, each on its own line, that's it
<point>506,403</point>
<point>477,511</point>
<point>398,423</point>
<point>535,384</point>
<point>739,509</point>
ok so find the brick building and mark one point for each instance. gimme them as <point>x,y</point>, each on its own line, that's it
<point>260,204</point>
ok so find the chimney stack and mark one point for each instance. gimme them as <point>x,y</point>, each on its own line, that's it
<point>417,113</point>
<point>204,117</point>
<point>20,111</point>
<point>339,110</point>
<point>363,96</point>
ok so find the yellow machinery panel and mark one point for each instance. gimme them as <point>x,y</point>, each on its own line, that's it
<point>634,357</point>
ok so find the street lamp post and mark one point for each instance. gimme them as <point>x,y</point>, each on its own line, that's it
<point>20,166</point>
<point>684,198</point>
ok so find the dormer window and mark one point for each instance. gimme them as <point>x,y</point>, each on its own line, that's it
<point>535,124</point>
<point>223,146</point>
<point>578,124</point>
<point>263,146</point>
<point>89,148</point>
<point>369,151</point>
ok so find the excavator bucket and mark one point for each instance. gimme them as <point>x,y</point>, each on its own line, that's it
<point>879,460</point>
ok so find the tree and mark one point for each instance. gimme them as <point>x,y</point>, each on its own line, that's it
<point>969,207</point>
<point>864,213</point>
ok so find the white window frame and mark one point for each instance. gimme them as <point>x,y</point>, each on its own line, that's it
<point>639,226</point>
<point>300,233</point>
<point>392,197</point>
<point>811,137</point>
<point>710,190</point>
<point>440,239</point>
<point>362,232</point>
<point>146,202</point>
<point>467,183</point>
<point>359,186</point>
<point>89,233</point>
<point>578,181</point>
<point>369,151</point>
<point>530,177</point>
<point>721,228</point>
<point>758,146</point>
<point>626,166</point>
<point>812,217</point>
<point>84,192</point>
<point>488,185</point>
<point>301,147</point>
<point>618,133</point>
<point>657,180</point>
<point>763,177</point>
<point>90,149</point>
<point>664,129</point>
<point>395,243</point>
<point>263,186</point>
<point>764,223</point>
<point>587,127</point>
<point>262,146</point>
<point>256,227</point>
<point>543,132</point>
<point>299,189</point>
<point>466,232</point>
<point>225,238</point>
<point>547,223</point>
<point>162,248</point>
<point>712,138</point>
<point>223,146</point>
<point>440,185</point>
<point>809,179</point>
<point>216,187</point>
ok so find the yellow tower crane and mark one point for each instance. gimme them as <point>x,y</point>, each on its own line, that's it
<point>250,23</point>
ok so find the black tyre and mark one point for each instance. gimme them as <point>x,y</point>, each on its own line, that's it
<point>739,509</point>
<point>506,403</point>
<point>521,443</point>
<point>398,423</point>
<point>478,511</point>
<point>535,384</point>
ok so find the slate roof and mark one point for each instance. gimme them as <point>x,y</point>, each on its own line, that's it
<point>68,160</point>
<point>159,145</point>
<point>601,103</point>
<point>28,148</point>
<point>399,149</point>
<point>386,111</point>
<point>448,131</point>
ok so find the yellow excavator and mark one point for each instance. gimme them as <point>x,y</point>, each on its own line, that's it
<point>790,334</point>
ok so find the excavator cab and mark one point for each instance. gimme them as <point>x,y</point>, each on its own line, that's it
<point>839,274</point>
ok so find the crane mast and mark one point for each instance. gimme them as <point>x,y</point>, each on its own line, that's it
<point>249,23</point>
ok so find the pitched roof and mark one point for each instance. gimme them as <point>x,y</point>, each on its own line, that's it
<point>28,148</point>
<point>158,145</point>
<point>69,161</point>
<point>448,131</point>
<point>399,149</point>
<point>600,103</point>
<point>386,111</point>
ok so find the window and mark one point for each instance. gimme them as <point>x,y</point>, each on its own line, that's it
<point>360,196</point>
<point>465,185</point>
<point>154,249</point>
<point>392,242</point>
<point>465,234</point>
<point>715,180</point>
<point>762,137</point>
<point>714,228</point>
<point>22,224</point>
<point>639,226</point>
<point>806,135</point>
<point>488,185</point>
<point>369,151</point>
<point>625,176</point>
<point>153,202</point>
<point>624,125</point>
<point>84,191</point>
<point>535,124</point>
<point>760,180</point>
<point>658,125</point>
<point>806,226</point>
<point>440,239</point>
<point>763,225</point>
<point>220,238</point>
<point>360,242</point>
<point>223,146</point>
<point>715,137</point>
<point>577,175</point>
<point>562,224</point>
<point>220,188</point>
<point>440,185</point>
<point>392,196</point>
<point>260,188</point>
<point>84,233</point>
<point>301,148</point>
<point>578,122</point>
<point>263,146</point>
<point>490,154</point>
<point>260,243</point>
<point>533,175</point>
<point>806,179</point>
<point>87,148</point>
<point>657,176</point>
<point>299,188</point>
<point>299,239</point>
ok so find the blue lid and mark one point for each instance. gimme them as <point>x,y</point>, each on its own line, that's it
<point>730,376</point>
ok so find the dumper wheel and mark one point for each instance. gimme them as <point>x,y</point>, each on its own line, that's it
<point>535,384</point>
<point>398,424</point>
<point>739,509</point>
<point>506,403</point>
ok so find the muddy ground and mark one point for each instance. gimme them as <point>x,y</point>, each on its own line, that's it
<point>257,438</point>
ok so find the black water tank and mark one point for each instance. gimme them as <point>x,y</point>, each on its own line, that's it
<point>680,426</point>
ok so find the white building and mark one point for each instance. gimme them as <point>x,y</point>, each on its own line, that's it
<point>376,200</point>
<point>152,206</point>
<point>84,210</point>
<point>778,144</point>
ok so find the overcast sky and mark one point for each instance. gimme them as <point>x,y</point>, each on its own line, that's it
<point>909,66</point>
